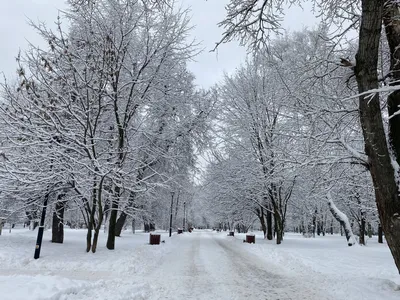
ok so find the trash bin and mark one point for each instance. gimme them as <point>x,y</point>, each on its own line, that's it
<point>250,238</point>
<point>155,239</point>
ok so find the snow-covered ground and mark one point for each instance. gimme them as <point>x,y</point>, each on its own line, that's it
<point>201,265</point>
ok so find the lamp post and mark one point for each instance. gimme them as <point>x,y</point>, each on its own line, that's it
<point>184,215</point>
<point>170,217</point>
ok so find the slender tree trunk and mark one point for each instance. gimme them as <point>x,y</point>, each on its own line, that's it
<point>269,225</point>
<point>133,225</point>
<point>91,222</point>
<point>57,229</point>
<point>369,230</point>
<point>112,223</point>
<point>263,225</point>
<point>97,232</point>
<point>278,227</point>
<point>362,231</point>
<point>382,172</point>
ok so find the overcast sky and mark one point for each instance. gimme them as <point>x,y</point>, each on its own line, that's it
<point>208,67</point>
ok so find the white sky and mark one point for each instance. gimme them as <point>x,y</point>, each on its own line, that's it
<point>208,67</point>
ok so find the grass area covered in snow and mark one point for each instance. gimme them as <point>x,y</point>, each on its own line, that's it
<point>66,271</point>
<point>356,272</point>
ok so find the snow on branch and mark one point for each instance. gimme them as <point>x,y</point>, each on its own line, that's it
<point>342,219</point>
<point>252,21</point>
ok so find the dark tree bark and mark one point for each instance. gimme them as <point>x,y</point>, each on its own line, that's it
<point>269,225</point>
<point>382,172</point>
<point>362,230</point>
<point>120,223</point>
<point>314,223</point>
<point>278,227</point>
<point>261,217</point>
<point>57,229</point>
<point>380,234</point>
<point>391,21</point>
<point>113,220</point>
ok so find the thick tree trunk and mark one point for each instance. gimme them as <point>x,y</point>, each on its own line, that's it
<point>380,234</point>
<point>120,223</point>
<point>382,172</point>
<point>57,229</point>
<point>122,217</point>
<point>391,21</point>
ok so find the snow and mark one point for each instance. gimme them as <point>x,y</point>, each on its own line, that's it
<point>198,265</point>
<point>358,272</point>
<point>343,218</point>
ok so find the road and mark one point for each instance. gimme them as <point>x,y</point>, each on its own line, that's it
<point>211,265</point>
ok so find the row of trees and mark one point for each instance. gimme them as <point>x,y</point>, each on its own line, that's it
<point>105,120</point>
<point>286,135</point>
<point>108,118</point>
<point>313,99</point>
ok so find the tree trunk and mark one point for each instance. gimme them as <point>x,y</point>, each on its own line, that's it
<point>120,223</point>
<point>112,223</point>
<point>314,223</point>
<point>369,230</point>
<point>269,225</point>
<point>343,220</point>
<point>362,231</point>
<point>391,21</point>
<point>382,172</point>
<point>57,229</point>
<point>133,225</point>
<point>263,225</point>
<point>380,234</point>
<point>278,227</point>
<point>122,217</point>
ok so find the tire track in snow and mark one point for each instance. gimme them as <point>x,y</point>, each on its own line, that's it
<point>206,266</point>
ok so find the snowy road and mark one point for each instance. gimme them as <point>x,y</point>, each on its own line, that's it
<point>213,266</point>
<point>201,265</point>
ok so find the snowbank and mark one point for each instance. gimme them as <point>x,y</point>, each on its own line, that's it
<point>352,273</point>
